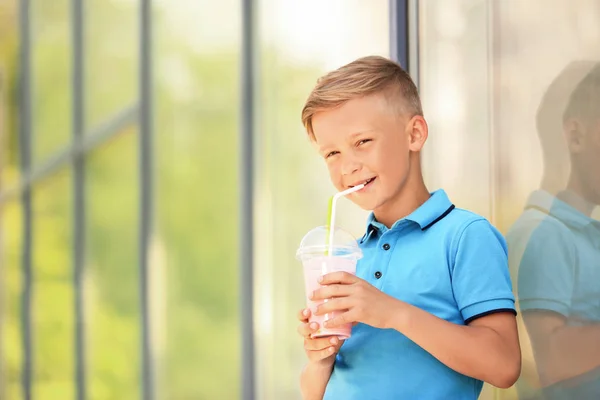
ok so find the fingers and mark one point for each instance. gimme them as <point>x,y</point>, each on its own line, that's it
<point>342,319</point>
<point>329,291</point>
<point>303,315</point>
<point>342,277</point>
<point>319,349</point>
<point>306,329</point>
<point>320,343</point>
<point>321,354</point>
<point>336,304</point>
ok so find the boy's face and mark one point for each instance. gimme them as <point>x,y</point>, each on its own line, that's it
<point>365,141</point>
<point>584,142</point>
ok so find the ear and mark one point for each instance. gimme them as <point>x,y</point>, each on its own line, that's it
<point>417,132</point>
<point>574,135</point>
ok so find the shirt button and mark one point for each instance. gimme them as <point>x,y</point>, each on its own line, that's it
<point>378,274</point>
<point>386,246</point>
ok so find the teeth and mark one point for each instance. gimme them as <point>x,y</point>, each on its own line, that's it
<point>364,183</point>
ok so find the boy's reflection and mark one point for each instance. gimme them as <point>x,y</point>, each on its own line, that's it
<point>554,247</point>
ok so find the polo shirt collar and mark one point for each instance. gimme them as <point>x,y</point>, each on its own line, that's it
<point>434,209</point>
<point>551,205</point>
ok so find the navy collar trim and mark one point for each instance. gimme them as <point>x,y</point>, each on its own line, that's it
<point>438,219</point>
<point>372,228</point>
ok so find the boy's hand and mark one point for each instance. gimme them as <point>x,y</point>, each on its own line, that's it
<point>358,300</point>
<point>321,350</point>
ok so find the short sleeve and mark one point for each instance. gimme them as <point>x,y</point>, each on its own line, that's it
<point>480,277</point>
<point>546,273</point>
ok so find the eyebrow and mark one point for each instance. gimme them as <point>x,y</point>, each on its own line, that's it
<point>328,148</point>
<point>358,133</point>
<point>325,150</point>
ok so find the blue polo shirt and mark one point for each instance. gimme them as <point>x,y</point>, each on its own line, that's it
<point>554,254</point>
<point>444,260</point>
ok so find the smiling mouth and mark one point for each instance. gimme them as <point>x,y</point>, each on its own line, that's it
<point>366,183</point>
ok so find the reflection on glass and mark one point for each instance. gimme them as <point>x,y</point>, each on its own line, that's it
<point>195,246</point>
<point>51,76</point>
<point>52,304</point>
<point>10,300</point>
<point>555,244</point>
<point>111,280</point>
<point>111,58</point>
<point>293,187</point>
<point>524,66</point>
<point>496,95</point>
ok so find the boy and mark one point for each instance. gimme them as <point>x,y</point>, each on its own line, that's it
<point>432,300</point>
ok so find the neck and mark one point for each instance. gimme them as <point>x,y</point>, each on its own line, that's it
<point>410,197</point>
<point>554,182</point>
<point>576,196</point>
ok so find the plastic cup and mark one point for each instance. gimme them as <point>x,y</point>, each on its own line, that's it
<point>314,253</point>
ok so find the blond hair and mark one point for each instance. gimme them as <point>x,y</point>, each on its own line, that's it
<point>363,77</point>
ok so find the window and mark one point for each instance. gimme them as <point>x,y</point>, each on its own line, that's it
<point>484,68</point>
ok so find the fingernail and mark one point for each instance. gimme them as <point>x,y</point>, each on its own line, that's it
<point>314,326</point>
<point>327,323</point>
<point>320,279</point>
<point>312,295</point>
<point>333,340</point>
<point>305,313</point>
<point>331,349</point>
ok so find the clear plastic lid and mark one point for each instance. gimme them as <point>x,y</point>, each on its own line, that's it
<point>316,243</point>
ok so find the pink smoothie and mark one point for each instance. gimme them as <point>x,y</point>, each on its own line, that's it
<point>314,267</point>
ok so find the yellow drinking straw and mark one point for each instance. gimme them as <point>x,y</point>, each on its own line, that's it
<point>331,215</point>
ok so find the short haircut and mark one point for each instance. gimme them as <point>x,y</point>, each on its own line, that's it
<point>584,102</point>
<point>363,77</point>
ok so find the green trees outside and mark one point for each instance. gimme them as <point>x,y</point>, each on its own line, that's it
<point>194,252</point>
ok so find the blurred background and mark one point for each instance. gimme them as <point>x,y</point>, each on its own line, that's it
<point>155,178</point>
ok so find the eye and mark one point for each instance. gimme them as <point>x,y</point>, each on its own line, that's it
<point>362,141</point>
<point>331,153</point>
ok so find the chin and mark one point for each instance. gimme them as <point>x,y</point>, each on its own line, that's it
<point>365,204</point>
<point>596,199</point>
<point>592,194</point>
<point>365,207</point>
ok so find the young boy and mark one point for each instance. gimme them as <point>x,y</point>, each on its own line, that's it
<point>432,301</point>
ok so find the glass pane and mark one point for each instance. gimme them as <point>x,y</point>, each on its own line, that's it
<point>11,234</point>
<point>51,74</point>
<point>111,58</point>
<point>8,93</point>
<point>111,275</point>
<point>456,100</point>
<point>495,93</point>
<point>53,337</point>
<point>195,246</point>
<point>532,101</point>
<point>535,159</point>
<point>293,187</point>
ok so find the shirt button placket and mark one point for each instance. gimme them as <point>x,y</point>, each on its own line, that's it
<point>380,268</point>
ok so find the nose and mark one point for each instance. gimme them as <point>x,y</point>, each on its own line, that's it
<point>350,165</point>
